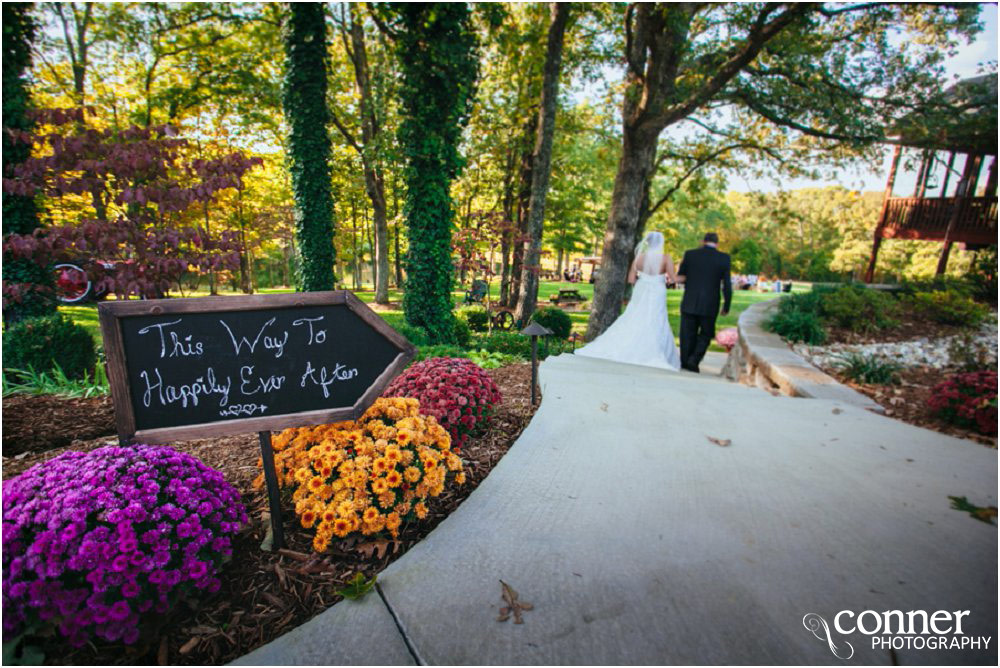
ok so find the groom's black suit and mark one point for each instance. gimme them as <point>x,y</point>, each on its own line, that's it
<point>706,270</point>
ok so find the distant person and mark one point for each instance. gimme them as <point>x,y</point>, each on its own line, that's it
<point>704,271</point>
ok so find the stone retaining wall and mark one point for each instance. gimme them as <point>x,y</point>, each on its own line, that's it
<point>764,359</point>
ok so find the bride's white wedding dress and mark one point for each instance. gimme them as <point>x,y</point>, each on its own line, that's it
<point>642,334</point>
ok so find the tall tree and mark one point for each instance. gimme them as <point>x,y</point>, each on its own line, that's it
<point>437,53</point>
<point>822,71</point>
<point>19,213</point>
<point>353,34</point>
<point>309,142</point>
<point>542,162</point>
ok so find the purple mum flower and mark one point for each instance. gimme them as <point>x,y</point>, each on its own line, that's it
<point>56,538</point>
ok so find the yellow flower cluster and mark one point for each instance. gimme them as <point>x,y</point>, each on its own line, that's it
<point>368,475</point>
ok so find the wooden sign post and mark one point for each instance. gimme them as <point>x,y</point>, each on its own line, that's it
<point>219,366</point>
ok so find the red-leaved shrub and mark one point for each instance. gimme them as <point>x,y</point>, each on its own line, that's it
<point>455,391</point>
<point>968,400</point>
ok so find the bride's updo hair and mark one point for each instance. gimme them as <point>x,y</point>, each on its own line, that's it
<point>653,241</point>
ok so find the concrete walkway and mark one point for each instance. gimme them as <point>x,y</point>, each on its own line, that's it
<point>641,541</point>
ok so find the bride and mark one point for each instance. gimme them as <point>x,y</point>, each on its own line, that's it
<point>642,334</point>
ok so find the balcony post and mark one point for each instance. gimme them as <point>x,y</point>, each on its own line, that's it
<point>966,188</point>
<point>877,241</point>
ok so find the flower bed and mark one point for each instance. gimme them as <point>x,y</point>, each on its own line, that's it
<point>99,543</point>
<point>367,476</point>
<point>968,400</point>
<point>267,594</point>
<point>455,391</point>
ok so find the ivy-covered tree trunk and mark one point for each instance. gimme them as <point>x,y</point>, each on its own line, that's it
<point>304,99</point>
<point>437,53</point>
<point>542,162</point>
<point>34,283</point>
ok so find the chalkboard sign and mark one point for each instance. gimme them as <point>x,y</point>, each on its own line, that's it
<point>214,366</point>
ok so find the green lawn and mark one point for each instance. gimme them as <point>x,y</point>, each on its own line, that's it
<point>86,314</point>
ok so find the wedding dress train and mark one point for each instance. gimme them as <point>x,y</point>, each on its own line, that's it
<point>642,334</point>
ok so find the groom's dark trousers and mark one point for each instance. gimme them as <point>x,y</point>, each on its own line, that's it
<point>706,272</point>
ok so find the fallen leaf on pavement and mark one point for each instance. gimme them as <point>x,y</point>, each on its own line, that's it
<point>357,587</point>
<point>514,606</point>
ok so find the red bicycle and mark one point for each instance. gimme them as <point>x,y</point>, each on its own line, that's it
<point>73,285</point>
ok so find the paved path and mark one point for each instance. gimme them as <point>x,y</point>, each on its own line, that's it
<point>641,541</point>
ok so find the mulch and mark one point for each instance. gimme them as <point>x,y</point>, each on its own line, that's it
<point>264,594</point>
<point>38,422</point>
<point>911,327</point>
<point>907,401</point>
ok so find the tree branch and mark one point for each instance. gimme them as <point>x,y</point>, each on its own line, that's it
<point>344,131</point>
<point>761,33</point>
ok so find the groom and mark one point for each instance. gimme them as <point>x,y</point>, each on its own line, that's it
<point>705,271</point>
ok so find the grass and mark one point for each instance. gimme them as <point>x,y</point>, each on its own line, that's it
<point>86,314</point>
<point>17,381</point>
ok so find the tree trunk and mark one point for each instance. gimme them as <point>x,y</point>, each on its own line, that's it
<point>542,162</point>
<point>399,231</point>
<point>304,99</point>
<point>374,182</point>
<point>621,234</point>
<point>521,213</point>
<point>507,232</point>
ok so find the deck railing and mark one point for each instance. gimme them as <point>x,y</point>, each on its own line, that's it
<point>927,219</point>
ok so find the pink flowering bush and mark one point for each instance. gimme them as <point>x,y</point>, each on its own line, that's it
<point>968,400</point>
<point>94,543</point>
<point>727,338</point>
<point>455,391</point>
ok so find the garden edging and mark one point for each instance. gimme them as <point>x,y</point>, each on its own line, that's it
<point>764,359</point>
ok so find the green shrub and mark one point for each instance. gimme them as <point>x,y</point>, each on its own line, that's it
<point>414,335</point>
<point>488,360</point>
<point>868,368</point>
<point>794,325</point>
<point>860,309</point>
<point>555,319</point>
<point>461,333</point>
<point>949,307</point>
<point>806,302</point>
<point>440,350</point>
<point>42,344</point>
<point>982,276</point>
<point>477,317</point>
<point>514,344</point>
<point>969,354</point>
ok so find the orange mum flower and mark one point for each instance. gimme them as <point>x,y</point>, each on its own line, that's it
<point>393,478</point>
<point>341,527</point>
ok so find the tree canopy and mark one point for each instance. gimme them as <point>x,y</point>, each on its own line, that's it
<point>432,121</point>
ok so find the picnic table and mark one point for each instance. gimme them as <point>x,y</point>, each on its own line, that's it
<point>567,296</point>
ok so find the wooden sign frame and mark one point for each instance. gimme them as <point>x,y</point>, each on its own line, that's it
<point>112,312</point>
